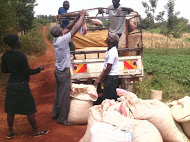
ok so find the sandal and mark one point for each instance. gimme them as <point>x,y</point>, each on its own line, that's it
<point>40,133</point>
<point>11,136</point>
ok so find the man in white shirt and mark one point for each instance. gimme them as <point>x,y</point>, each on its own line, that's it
<point>110,73</point>
<point>62,72</point>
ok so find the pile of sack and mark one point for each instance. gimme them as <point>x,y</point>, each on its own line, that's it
<point>132,119</point>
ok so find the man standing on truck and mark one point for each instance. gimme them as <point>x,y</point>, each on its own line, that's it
<point>64,23</point>
<point>117,24</point>
<point>62,72</point>
<point>110,73</point>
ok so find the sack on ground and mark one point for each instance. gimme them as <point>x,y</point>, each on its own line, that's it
<point>103,132</point>
<point>159,114</point>
<point>181,113</point>
<point>78,113</point>
<point>93,117</point>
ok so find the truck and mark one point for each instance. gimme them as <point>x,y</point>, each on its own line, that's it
<point>86,69</point>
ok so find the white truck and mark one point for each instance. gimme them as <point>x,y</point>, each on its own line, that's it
<point>86,70</point>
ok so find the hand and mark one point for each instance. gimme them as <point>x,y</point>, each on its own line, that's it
<point>42,67</point>
<point>100,11</point>
<point>83,12</point>
<point>96,82</point>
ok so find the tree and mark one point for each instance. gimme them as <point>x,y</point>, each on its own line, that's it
<point>171,20</point>
<point>150,12</point>
<point>25,13</point>
<point>7,21</point>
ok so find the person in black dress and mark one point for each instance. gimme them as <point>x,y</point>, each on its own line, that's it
<point>19,99</point>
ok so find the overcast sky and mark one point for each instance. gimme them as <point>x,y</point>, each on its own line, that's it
<point>50,7</point>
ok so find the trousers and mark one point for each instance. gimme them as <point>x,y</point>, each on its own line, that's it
<point>62,95</point>
<point>110,85</point>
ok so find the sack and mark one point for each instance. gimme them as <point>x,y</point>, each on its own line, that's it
<point>159,114</point>
<point>84,92</point>
<point>78,113</point>
<point>181,113</point>
<point>103,132</point>
<point>144,131</point>
<point>94,116</point>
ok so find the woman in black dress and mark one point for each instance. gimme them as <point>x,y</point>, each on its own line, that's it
<point>19,99</point>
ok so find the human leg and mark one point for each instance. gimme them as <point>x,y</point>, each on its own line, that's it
<point>56,97</point>
<point>10,121</point>
<point>110,85</point>
<point>64,97</point>
<point>32,120</point>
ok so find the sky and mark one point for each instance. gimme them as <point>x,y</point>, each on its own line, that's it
<point>50,7</point>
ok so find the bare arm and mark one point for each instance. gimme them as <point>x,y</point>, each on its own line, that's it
<point>103,74</point>
<point>69,26</point>
<point>78,23</point>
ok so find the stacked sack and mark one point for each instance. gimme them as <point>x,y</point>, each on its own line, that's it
<point>82,97</point>
<point>181,113</point>
<point>146,120</point>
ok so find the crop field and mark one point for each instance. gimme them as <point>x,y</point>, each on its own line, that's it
<point>169,73</point>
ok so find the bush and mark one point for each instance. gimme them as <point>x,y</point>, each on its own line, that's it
<point>33,42</point>
<point>176,34</point>
<point>48,34</point>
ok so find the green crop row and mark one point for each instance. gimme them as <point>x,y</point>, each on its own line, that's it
<point>169,73</point>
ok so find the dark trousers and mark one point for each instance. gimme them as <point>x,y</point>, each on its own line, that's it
<point>62,95</point>
<point>110,85</point>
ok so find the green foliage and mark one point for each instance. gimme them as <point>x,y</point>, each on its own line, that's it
<point>167,73</point>
<point>25,13</point>
<point>106,23</point>
<point>44,19</point>
<point>7,21</point>
<point>187,39</point>
<point>48,34</point>
<point>176,67</point>
<point>16,16</point>
<point>171,20</point>
<point>33,42</point>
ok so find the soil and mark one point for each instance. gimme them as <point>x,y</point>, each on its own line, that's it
<point>43,87</point>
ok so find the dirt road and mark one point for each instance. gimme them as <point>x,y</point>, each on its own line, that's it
<point>43,87</point>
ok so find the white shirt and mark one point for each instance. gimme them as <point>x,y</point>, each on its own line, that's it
<point>112,58</point>
<point>62,51</point>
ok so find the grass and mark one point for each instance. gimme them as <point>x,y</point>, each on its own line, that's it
<point>160,41</point>
<point>169,73</point>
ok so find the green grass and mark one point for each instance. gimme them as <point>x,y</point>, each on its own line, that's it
<point>169,73</point>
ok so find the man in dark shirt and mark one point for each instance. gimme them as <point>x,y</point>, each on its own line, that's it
<point>63,10</point>
<point>64,23</point>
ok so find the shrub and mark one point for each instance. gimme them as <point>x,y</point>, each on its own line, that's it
<point>33,42</point>
<point>48,34</point>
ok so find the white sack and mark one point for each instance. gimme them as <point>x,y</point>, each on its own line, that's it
<point>84,92</point>
<point>93,117</point>
<point>78,113</point>
<point>181,113</point>
<point>103,132</point>
<point>142,130</point>
<point>159,114</point>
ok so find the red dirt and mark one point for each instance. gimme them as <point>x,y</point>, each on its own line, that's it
<point>43,87</point>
